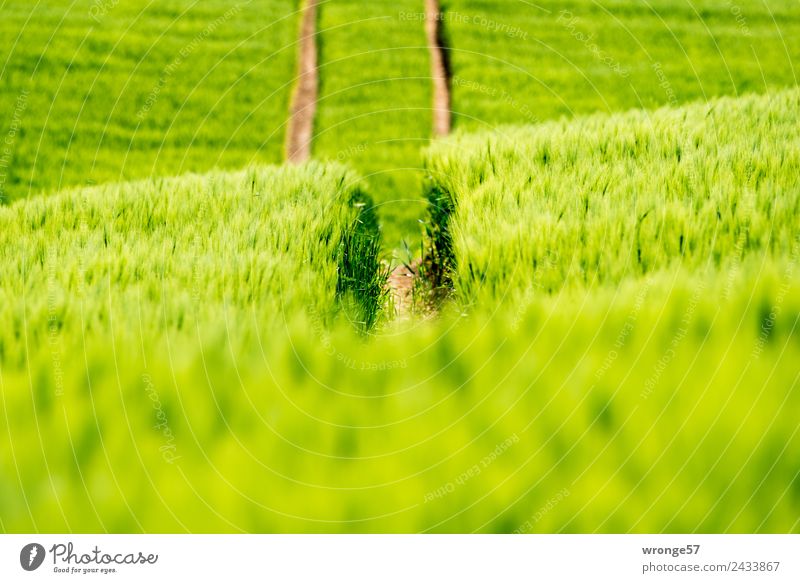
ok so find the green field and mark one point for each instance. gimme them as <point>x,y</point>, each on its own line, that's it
<point>201,339</point>
<point>97,92</point>
<point>264,243</point>
<point>591,203</point>
<point>521,62</point>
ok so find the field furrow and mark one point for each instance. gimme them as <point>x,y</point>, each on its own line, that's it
<point>594,201</point>
<point>375,104</point>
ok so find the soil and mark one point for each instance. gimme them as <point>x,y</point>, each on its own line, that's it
<point>414,290</point>
<point>410,292</point>
<point>300,130</point>
<point>440,68</point>
<point>401,287</point>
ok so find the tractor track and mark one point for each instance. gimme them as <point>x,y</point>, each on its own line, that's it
<point>300,130</point>
<point>406,278</point>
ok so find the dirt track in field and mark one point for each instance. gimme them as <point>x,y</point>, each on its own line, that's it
<point>440,68</point>
<point>401,286</point>
<point>300,130</point>
<point>410,292</point>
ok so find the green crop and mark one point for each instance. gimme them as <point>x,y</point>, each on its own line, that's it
<point>265,243</point>
<point>112,91</point>
<point>156,375</point>
<point>210,353</point>
<point>600,199</point>
<point>521,62</point>
<point>664,405</point>
<point>94,92</point>
<point>374,111</point>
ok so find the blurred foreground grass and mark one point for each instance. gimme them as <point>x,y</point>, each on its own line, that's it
<point>662,405</point>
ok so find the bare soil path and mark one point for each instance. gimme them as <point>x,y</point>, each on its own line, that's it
<point>300,130</point>
<point>440,68</point>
